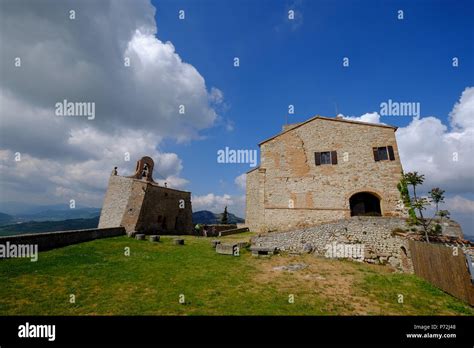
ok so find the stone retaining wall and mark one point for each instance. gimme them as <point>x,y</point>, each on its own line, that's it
<point>374,233</point>
<point>58,239</point>
<point>234,231</point>
<point>214,230</point>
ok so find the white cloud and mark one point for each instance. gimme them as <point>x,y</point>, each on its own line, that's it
<point>370,117</point>
<point>216,96</point>
<point>462,115</point>
<point>216,203</point>
<point>211,202</point>
<point>443,155</point>
<point>173,182</point>
<point>84,60</point>
<point>460,204</point>
<point>241,181</point>
<point>229,125</point>
<point>137,106</point>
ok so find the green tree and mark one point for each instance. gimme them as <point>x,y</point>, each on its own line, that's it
<point>437,196</point>
<point>402,187</point>
<point>414,179</point>
<point>419,204</point>
<point>444,213</point>
<point>225,217</point>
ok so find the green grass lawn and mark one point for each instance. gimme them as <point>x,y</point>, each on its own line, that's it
<point>151,280</point>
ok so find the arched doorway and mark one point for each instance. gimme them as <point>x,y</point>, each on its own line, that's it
<point>365,204</point>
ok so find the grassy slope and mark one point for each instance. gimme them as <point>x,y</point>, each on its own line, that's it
<point>150,281</point>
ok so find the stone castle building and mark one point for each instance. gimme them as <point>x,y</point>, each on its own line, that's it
<point>321,170</point>
<point>140,204</point>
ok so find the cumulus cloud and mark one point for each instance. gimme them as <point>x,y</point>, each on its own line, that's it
<point>371,117</point>
<point>241,181</point>
<point>211,202</point>
<point>217,203</point>
<point>440,152</point>
<point>85,60</point>
<point>109,55</point>
<point>462,115</point>
<point>460,204</point>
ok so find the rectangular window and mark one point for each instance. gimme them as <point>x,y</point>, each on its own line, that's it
<point>326,157</point>
<point>383,153</point>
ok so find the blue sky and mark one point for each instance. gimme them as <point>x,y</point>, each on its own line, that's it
<point>284,63</point>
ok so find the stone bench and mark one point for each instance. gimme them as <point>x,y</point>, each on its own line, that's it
<point>154,238</point>
<point>228,249</point>
<point>263,251</point>
<point>242,245</point>
<point>179,241</point>
<point>140,236</point>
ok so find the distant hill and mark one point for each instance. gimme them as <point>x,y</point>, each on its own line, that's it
<point>6,219</point>
<point>48,226</point>
<point>79,218</point>
<point>23,208</point>
<point>208,217</point>
<point>57,215</point>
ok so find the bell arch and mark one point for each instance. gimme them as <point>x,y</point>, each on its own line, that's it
<point>144,169</point>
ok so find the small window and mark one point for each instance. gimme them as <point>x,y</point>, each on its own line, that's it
<point>326,157</point>
<point>383,153</point>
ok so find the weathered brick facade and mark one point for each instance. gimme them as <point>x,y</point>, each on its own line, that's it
<point>309,174</point>
<point>141,205</point>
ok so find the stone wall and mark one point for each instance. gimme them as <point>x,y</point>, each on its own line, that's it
<point>213,230</point>
<point>58,239</point>
<point>254,199</point>
<point>224,230</point>
<point>374,233</point>
<point>134,206</point>
<point>143,206</point>
<point>165,210</point>
<point>320,193</point>
<point>278,219</point>
<point>450,228</point>
<point>115,201</point>
<point>234,231</point>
